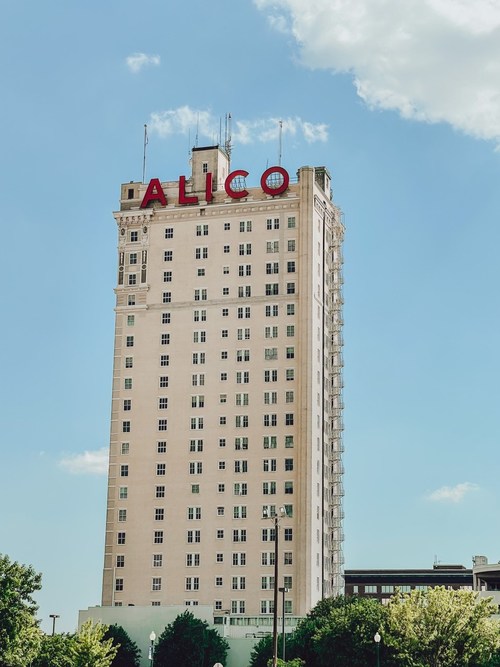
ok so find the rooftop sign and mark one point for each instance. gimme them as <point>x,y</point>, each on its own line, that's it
<point>274,181</point>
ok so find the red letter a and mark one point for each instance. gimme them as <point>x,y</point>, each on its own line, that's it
<point>154,192</point>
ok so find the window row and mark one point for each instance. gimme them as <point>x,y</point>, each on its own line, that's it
<point>197,445</point>
<point>244,249</point>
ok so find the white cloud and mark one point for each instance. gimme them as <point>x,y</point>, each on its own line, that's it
<point>184,119</point>
<point>430,60</point>
<point>88,463</point>
<point>453,494</point>
<point>137,61</point>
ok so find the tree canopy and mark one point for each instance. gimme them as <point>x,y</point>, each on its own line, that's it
<point>20,635</point>
<point>434,628</point>
<point>189,641</point>
<point>440,628</point>
<point>128,653</point>
<point>89,647</point>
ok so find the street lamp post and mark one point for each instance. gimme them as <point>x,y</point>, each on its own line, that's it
<point>377,639</point>
<point>53,617</point>
<point>152,638</point>
<point>283,590</point>
<point>276,520</point>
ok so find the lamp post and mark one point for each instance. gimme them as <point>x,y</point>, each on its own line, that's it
<point>53,617</point>
<point>276,520</point>
<point>283,590</point>
<point>152,638</point>
<point>377,639</point>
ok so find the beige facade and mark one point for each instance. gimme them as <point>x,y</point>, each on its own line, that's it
<point>226,395</point>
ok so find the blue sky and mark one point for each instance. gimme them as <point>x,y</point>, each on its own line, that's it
<point>402,102</point>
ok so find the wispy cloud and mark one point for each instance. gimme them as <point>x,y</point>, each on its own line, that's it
<point>452,494</point>
<point>245,131</point>
<point>88,463</point>
<point>137,61</point>
<point>430,60</point>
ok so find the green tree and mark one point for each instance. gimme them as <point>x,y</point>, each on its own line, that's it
<point>344,632</point>
<point>89,647</point>
<point>262,652</point>
<point>55,651</point>
<point>20,635</point>
<point>128,653</point>
<point>189,641</point>
<point>441,628</point>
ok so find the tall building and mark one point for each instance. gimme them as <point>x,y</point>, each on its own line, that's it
<point>227,388</point>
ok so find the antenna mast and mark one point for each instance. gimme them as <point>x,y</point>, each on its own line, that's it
<point>144,153</point>
<point>228,138</point>
<point>280,142</point>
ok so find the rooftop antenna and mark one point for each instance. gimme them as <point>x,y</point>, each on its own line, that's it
<point>144,153</point>
<point>280,142</point>
<point>197,128</point>
<point>189,146</point>
<point>220,130</point>
<point>228,138</point>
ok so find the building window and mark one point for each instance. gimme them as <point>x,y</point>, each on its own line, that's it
<point>127,404</point>
<point>164,360</point>
<point>134,236</point>
<point>123,492</point>
<point>196,445</point>
<point>157,560</point>
<point>202,230</point>
<point>192,560</point>
<point>162,424</point>
<point>290,374</point>
<point>195,467</point>
<point>126,427</point>
<point>269,488</point>
<point>163,381</point>
<point>168,255</point>
<point>288,534</point>
<point>193,536</point>
<point>118,585</point>
<point>158,537</point>
<point>290,288</point>
<point>161,468</point>
<point>161,447</point>
<point>169,233</point>
<point>240,489</point>
<point>287,558</point>
<point>272,311</point>
<point>288,488</point>
<point>124,471</point>
<point>125,448</point>
<point>122,515</point>
<point>270,419</point>
<point>201,253</point>
<point>270,442</point>
<point>291,222</point>
<point>272,288</point>
<point>159,514</point>
<point>165,318</point>
<point>291,245</point>
<point>166,297</point>
<point>269,465</point>
<point>194,513</point>
<point>167,276</point>
<point>160,491</point>
<point>240,443</point>
<point>272,246</point>
<point>128,383</point>
<point>120,561</point>
<point>120,538</point>
<point>129,341</point>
